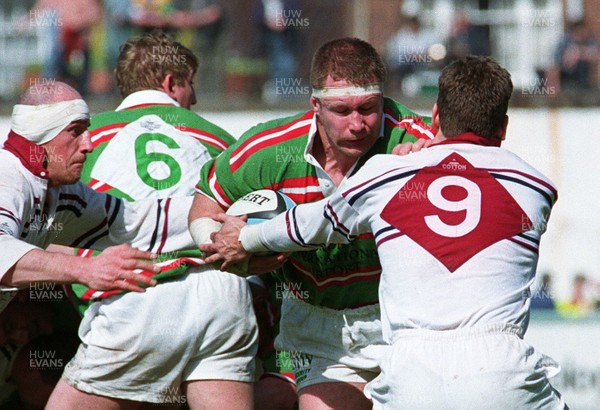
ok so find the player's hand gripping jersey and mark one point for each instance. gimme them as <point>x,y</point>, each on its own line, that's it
<point>458,223</point>
<point>33,216</point>
<point>277,155</point>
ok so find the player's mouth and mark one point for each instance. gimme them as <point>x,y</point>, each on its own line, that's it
<point>359,140</point>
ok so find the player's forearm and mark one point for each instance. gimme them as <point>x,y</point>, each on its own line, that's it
<point>300,230</point>
<point>67,250</point>
<point>201,225</point>
<point>202,207</point>
<point>38,265</point>
<point>251,239</point>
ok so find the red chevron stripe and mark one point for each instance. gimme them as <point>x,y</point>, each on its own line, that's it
<point>204,136</point>
<point>246,152</point>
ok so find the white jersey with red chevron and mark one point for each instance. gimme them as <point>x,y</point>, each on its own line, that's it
<point>457,228</point>
<point>33,216</point>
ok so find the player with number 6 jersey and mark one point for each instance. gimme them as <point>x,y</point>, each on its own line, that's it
<point>152,146</point>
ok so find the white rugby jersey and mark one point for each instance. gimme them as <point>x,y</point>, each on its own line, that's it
<point>34,216</point>
<point>457,228</point>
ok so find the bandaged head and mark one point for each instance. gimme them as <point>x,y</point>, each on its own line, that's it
<point>41,123</point>
<point>348,90</point>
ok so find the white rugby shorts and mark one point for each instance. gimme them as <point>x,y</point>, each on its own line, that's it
<point>328,345</point>
<point>143,346</point>
<point>487,368</point>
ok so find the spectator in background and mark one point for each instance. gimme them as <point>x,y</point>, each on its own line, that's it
<point>583,299</point>
<point>207,19</point>
<point>125,18</point>
<point>575,59</point>
<point>409,50</point>
<point>119,27</point>
<point>465,39</point>
<point>67,25</point>
<point>542,298</point>
<point>279,39</point>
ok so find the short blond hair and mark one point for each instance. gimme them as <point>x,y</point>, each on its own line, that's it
<point>350,59</point>
<point>144,62</point>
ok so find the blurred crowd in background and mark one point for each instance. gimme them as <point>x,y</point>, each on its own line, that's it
<point>258,51</point>
<point>583,302</point>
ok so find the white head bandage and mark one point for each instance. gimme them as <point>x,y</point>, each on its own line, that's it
<point>350,90</point>
<point>41,123</point>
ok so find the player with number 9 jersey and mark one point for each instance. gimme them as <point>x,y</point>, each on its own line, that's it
<point>468,220</point>
<point>457,228</point>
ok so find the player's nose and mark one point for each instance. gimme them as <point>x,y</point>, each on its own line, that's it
<point>86,142</point>
<point>355,121</point>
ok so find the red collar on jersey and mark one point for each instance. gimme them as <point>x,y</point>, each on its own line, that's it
<point>32,156</point>
<point>470,138</point>
<point>135,107</point>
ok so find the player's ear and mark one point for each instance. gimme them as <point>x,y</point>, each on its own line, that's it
<point>435,117</point>
<point>503,128</point>
<point>315,103</point>
<point>168,84</point>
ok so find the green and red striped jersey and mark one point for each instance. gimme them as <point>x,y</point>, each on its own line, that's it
<point>149,148</point>
<point>275,155</point>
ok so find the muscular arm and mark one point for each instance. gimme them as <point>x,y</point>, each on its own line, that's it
<point>300,229</point>
<point>203,207</point>
<point>113,269</point>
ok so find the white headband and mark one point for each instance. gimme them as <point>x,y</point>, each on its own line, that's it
<point>41,123</point>
<point>350,90</point>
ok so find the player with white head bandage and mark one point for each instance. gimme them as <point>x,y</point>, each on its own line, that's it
<point>457,228</point>
<point>42,203</point>
<point>330,313</point>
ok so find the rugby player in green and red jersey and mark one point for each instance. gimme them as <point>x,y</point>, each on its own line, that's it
<point>330,313</point>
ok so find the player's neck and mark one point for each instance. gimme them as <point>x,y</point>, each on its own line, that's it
<point>333,162</point>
